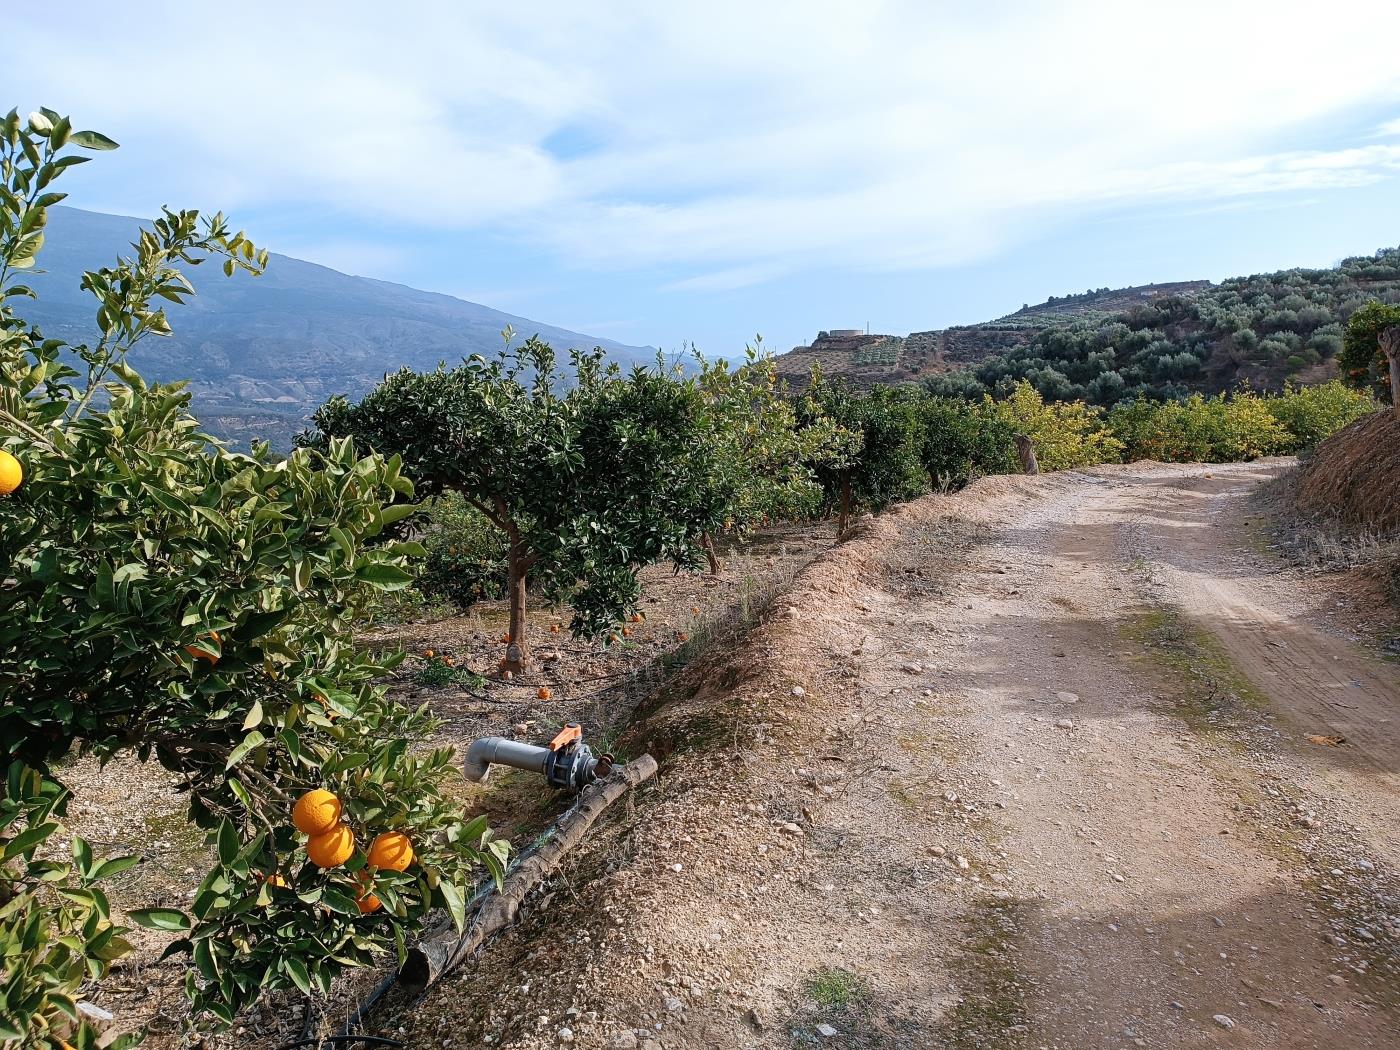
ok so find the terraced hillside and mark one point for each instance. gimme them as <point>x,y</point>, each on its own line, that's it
<point>867,360</point>
<point>1156,341</point>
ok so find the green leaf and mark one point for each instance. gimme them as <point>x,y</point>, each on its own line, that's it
<point>228,843</point>
<point>115,866</point>
<point>397,512</point>
<point>27,840</point>
<point>383,576</point>
<point>92,140</point>
<point>456,906</point>
<point>252,740</point>
<point>255,715</point>
<point>167,919</point>
<point>296,970</point>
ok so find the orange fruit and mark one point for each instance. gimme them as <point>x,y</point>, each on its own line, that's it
<point>366,900</point>
<point>506,638</point>
<point>332,848</point>
<point>392,851</point>
<point>695,610</point>
<point>637,617</point>
<point>614,638</point>
<point>316,812</point>
<point>627,632</point>
<point>11,473</point>
<point>544,692</point>
<point>428,655</point>
<point>554,628</point>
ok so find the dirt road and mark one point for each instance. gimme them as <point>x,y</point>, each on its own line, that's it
<point>1063,762</point>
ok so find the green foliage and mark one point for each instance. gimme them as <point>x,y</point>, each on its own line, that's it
<point>437,672</point>
<point>165,597</point>
<point>885,466</point>
<point>588,484</point>
<point>1312,414</point>
<point>762,459</point>
<point>1220,429</point>
<point>1363,362</point>
<point>1238,426</point>
<point>467,555</point>
<point>56,928</point>
<point>1065,435</point>
<point>963,441</point>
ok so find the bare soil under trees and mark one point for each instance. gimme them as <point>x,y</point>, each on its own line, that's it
<point>1067,762</point>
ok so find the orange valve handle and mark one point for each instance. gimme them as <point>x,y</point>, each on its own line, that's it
<point>570,734</point>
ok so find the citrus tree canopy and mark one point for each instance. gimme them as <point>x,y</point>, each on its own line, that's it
<point>165,599</point>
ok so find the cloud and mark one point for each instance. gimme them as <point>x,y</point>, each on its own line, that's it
<point>728,143</point>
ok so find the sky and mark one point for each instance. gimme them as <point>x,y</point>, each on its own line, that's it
<point>663,174</point>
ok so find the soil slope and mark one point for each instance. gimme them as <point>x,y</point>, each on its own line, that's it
<point>1057,762</point>
<point>1355,474</point>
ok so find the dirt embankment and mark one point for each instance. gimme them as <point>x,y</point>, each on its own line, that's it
<point>1355,474</point>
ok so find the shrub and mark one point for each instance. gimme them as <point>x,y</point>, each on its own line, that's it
<point>1066,435</point>
<point>963,441</point>
<point>1199,430</point>
<point>1312,414</point>
<point>466,559</point>
<point>883,466</point>
<point>1363,362</point>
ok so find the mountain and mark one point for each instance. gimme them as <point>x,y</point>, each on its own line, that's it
<point>262,353</point>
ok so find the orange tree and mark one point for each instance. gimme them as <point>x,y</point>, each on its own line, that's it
<point>961,441</point>
<point>590,476</point>
<point>1370,354</point>
<point>165,598</point>
<point>762,459</point>
<point>882,465</point>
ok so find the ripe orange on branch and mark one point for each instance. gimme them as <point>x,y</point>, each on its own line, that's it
<point>332,848</point>
<point>365,900</point>
<point>391,851</point>
<point>316,812</point>
<point>11,473</point>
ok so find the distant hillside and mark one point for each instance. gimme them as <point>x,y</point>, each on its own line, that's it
<point>262,353</point>
<point>869,360</point>
<point>1160,340</point>
<point>1263,331</point>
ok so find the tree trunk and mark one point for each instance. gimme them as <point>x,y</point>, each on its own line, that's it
<point>1390,345</point>
<point>1025,448</point>
<point>707,542</point>
<point>845,513</point>
<point>517,653</point>
<point>518,562</point>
